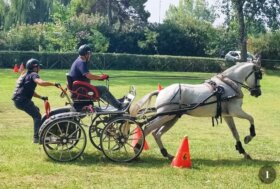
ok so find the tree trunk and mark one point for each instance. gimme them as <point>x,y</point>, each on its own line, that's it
<point>109,10</point>
<point>242,29</point>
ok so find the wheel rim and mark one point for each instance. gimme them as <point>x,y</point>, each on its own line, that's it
<point>119,140</point>
<point>64,140</point>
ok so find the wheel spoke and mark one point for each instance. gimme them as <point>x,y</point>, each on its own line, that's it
<point>59,129</point>
<point>74,132</point>
<point>77,139</point>
<point>61,151</point>
<point>68,149</point>
<point>129,145</point>
<point>53,134</point>
<point>66,133</point>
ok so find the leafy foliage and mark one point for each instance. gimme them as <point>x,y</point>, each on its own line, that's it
<point>267,45</point>
<point>195,9</point>
<point>28,11</point>
<point>120,26</point>
<point>85,30</point>
<point>187,30</point>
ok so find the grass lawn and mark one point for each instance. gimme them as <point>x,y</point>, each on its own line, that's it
<point>216,163</point>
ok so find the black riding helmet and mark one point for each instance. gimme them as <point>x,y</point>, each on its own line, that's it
<point>32,63</point>
<point>84,50</point>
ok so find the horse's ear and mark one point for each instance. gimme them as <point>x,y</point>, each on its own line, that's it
<point>258,60</point>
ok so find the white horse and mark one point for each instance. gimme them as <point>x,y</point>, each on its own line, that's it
<point>220,96</point>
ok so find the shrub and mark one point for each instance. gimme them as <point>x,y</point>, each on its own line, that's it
<point>111,61</point>
<point>268,46</point>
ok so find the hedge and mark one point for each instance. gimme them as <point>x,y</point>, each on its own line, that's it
<point>49,60</point>
<point>111,61</point>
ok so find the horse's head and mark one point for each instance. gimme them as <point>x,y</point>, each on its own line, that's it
<point>253,80</point>
<point>247,75</point>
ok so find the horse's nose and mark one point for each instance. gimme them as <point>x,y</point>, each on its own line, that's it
<point>256,92</point>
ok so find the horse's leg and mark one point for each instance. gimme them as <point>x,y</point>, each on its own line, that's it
<point>154,125</point>
<point>243,115</point>
<point>159,132</point>
<point>230,122</point>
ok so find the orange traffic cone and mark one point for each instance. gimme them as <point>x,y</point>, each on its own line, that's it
<point>16,68</point>
<point>21,68</point>
<point>159,87</point>
<point>183,157</point>
<point>137,136</point>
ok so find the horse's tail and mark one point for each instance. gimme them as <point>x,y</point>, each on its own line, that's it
<point>145,100</point>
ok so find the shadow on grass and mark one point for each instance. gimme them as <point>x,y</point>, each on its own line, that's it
<point>232,163</point>
<point>98,159</point>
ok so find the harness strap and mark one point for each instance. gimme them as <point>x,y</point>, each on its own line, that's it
<point>232,84</point>
<point>176,93</point>
<point>218,92</point>
<point>180,96</point>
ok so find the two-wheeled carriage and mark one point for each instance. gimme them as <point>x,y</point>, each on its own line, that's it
<point>110,130</point>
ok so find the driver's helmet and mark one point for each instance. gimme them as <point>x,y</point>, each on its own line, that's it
<point>84,50</point>
<point>32,63</point>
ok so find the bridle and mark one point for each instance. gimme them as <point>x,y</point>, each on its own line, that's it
<point>258,76</point>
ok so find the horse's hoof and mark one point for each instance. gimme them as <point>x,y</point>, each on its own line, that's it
<point>170,157</point>
<point>247,139</point>
<point>247,156</point>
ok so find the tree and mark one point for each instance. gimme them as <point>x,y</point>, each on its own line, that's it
<point>238,5</point>
<point>187,30</point>
<point>197,9</point>
<point>28,12</point>
<point>253,16</point>
<point>118,12</point>
<point>263,11</point>
<point>149,44</point>
<point>3,7</point>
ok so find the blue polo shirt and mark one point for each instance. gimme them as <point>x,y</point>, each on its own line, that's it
<point>78,70</point>
<point>25,86</point>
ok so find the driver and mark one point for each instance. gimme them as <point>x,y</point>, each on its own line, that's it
<point>25,90</point>
<point>79,72</point>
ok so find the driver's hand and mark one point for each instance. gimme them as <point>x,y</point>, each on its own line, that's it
<point>44,98</point>
<point>57,85</point>
<point>104,76</point>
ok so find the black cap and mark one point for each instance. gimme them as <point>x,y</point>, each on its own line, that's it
<point>84,50</point>
<point>32,63</point>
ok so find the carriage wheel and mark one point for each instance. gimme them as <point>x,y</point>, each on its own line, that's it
<point>95,130</point>
<point>122,140</point>
<point>64,140</point>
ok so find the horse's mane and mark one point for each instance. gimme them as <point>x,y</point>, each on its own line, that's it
<point>236,66</point>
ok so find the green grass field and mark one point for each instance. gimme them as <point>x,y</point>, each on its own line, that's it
<point>216,163</point>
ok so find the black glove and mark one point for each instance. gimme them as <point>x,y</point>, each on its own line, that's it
<point>44,98</point>
<point>57,85</point>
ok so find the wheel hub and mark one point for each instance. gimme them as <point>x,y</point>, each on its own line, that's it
<point>122,139</point>
<point>64,140</point>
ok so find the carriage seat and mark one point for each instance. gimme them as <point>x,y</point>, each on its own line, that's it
<point>82,93</point>
<point>82,90</point>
